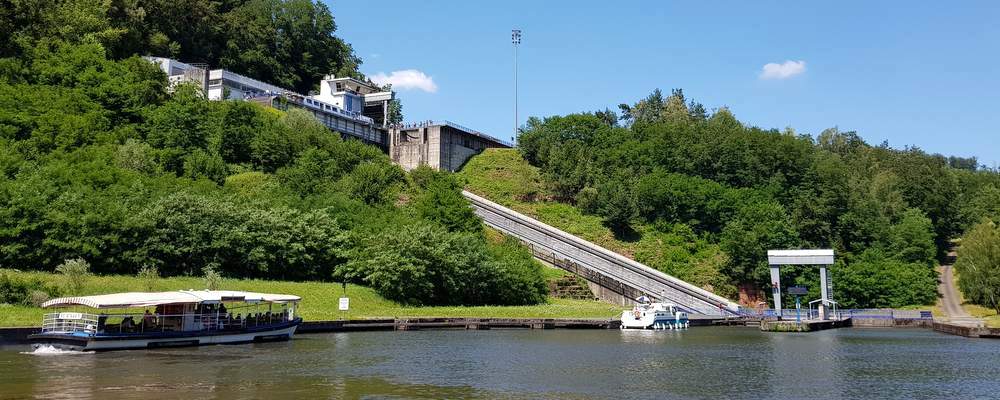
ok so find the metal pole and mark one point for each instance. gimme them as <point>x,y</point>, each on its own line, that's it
<point>798,306</point>
<point>516,40</point>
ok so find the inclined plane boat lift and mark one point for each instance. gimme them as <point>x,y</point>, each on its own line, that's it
<point>166,319</point>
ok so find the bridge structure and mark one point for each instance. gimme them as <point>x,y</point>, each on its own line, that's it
<point>616,277</point>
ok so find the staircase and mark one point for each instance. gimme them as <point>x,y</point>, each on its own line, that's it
<point>570,287</point>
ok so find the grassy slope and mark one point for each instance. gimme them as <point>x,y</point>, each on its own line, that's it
<point>503,176</point>
<point>319,300</point>
<point>988,315</point>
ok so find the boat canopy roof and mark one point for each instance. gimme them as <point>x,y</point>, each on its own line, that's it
<point>146,299</point>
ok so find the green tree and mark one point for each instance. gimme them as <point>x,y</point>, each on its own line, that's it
<point>442,202</point>
<point>239,126</point>
<point>875,280</point>
<point>978,265</point>
<point>758,227</point>
<point>374,182</point>
<point>911,239</point>
<point>289,43</point>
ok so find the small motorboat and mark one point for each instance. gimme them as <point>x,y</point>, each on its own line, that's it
<point>166,319</point>
<point>649,315</point>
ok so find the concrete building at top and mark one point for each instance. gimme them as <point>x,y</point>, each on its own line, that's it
<point>355,109</point>
<point>356,96</point>
<point>443,145</point>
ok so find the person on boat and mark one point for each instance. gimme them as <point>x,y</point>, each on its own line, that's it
<point>128,324</point>
<point>239,320</point>
<point>222,309</point>
<point>101,321</point>
<point>148,320</point>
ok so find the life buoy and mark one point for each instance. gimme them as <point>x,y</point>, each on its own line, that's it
<point>637,313</point>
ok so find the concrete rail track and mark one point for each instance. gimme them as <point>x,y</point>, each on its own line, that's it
<point>625,278</point>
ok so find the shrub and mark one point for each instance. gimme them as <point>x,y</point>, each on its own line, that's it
<point>32,292</point>
<point>423,264</point>
<point>148,275</point>
<point>442,202</point>
<point>213,279</point>
<point>76,272</point>
<point>374,182</point>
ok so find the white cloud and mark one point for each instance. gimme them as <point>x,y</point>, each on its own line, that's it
<point>784,70</point>
<point>406,79</point>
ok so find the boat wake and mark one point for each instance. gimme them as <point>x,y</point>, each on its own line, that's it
<point>53,351</point>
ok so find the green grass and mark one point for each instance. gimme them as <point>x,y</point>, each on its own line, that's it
<point>988,315</point>
<point>503,176</point>
<point>319,300</point>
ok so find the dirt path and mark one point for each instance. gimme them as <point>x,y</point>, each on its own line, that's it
<point>951,300</point>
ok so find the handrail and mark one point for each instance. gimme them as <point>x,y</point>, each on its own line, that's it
<point>878,313</point>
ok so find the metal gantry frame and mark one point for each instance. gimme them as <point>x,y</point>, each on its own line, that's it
<point>821,257</point>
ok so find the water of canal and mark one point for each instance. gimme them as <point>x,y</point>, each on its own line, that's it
<point>709,362</point>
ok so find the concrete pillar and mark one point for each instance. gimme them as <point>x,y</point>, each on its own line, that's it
<point>824,295</point>
<point>776,288</point>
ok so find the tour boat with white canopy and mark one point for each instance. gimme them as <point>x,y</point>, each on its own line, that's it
<point>165,319</point>
<point>649,315</point>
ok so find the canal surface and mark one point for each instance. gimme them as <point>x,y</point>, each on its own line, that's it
<point>718,362</point>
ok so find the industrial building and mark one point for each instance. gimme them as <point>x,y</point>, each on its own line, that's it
<point>443,145</point>
<point>355,109</point>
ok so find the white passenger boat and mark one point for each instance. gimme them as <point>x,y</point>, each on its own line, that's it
<point>649,315</point>
<point>165,319</point>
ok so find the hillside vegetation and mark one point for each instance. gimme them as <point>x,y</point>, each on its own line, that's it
<point>703,196</point>
<point>503,176</point>
<point>319,299</point>
<point>99,161</point>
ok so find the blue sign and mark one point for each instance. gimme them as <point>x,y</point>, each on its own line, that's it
<point>798,290</point>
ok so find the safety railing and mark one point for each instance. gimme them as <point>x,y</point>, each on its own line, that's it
<point>69,322</point>
<point>786,313</point>
<point>138,323</point>
<point>873,313</point>
<point>885,313</point>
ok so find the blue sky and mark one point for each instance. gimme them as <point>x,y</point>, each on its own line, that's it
<point>912,73</point>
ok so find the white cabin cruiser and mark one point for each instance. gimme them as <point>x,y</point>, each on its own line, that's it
<point>166,319</point>
<point>649,315</point>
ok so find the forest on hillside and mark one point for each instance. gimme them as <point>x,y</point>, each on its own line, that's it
<point>695,176</point>
<point>100,161</point>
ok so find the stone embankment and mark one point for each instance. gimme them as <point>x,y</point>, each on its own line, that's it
<point>803,326</point>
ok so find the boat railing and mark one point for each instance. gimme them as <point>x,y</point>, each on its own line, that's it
<point>69,322</point>
<point>138,323</point>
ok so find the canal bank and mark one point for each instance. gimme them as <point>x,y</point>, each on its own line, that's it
<point>20,334</point>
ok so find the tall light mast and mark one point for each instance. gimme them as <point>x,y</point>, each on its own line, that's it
<point>515,37</point>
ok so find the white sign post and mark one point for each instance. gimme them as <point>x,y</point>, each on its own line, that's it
<point>344,303</point>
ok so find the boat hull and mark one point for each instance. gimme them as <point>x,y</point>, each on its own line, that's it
<point>177,339</point>
<point>654,324</point>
